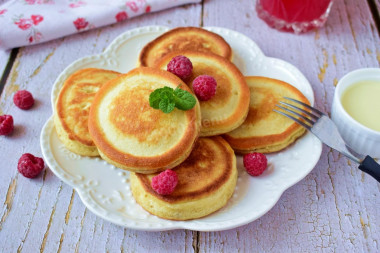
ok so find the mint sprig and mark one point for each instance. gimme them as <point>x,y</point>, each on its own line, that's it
<point>166,98</point>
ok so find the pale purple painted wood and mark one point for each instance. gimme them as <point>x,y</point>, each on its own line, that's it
<point>335,208</point>
<point>45,214</point>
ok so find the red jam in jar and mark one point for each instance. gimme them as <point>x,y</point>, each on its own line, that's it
<point>294,15</point>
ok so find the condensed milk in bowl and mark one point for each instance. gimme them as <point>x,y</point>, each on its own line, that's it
<point>356,110</point>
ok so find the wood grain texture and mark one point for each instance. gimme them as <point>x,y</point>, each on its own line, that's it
<point>375,8</point>
<point>44,214</point>
<point>377,2</point>
<point>334,209</point>
<point>4,57</point>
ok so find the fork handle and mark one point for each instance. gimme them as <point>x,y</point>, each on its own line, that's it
<point>371,167</point>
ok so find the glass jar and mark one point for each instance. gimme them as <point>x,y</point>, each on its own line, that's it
<point>296,16</point>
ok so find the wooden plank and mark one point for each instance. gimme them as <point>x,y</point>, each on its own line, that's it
<point>44,214</point>
<point>377,3</point>
<point>332,209</point>
<point>375,8</point>
<point>4,55</point>
<point>4,58</point>
<point>335,208</point>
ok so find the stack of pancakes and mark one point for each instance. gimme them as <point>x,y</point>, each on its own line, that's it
<point>101,112</point>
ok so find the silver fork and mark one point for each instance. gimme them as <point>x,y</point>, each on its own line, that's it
<point>324,128</point>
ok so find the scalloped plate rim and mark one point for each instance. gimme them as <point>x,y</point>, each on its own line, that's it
<point>192,224</point>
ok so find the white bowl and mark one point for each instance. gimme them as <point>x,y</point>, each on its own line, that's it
<point>360,138</point>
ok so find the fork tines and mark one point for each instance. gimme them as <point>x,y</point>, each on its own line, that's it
<point>290,110</point>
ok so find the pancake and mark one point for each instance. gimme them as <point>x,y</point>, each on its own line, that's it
<point>184,38</point>
<point>132,135</point>
<point>206,181</point>
<point>72,109</point>
<point>229,107</point>
<point>264,130</point>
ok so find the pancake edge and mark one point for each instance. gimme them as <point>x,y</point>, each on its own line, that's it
<point>242,109</point>
<point>70,140</point>
<point>186,208</point>
<point>226,48</point>
<point>72,145</point>
<point>144,165</point>
<point>278,142</point>
<point>274,148</point>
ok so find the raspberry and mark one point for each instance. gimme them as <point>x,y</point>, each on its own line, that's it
<point>165,182</point>
<point>6,124</point>
<point>255,163</point>
<point>204,87</point>
<point>180,66</point>
<point>30,166</point>
<point>23,99</point>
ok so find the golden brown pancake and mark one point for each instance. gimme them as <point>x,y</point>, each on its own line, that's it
<point>264,130</point>
<point>229,107</point>
<point>206,181</point>
<point>73,105</point>
<point>132,135</point>
<point>184,38</point>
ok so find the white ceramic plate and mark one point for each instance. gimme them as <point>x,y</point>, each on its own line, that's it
<point>105,190</point>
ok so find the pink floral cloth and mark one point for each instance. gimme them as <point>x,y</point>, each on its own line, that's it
<point>26,22</point>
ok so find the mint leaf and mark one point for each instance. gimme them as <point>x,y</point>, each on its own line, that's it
<point>166,105</point>
<point>166,98</point>
<point>155,98</point>
<point>157,95</point>
<point>167,93</point>
<point>183,99</point>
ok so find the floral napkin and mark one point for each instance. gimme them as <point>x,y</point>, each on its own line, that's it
<point>26,22</point>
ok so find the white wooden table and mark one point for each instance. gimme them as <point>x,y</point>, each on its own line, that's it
<point>336,208</point>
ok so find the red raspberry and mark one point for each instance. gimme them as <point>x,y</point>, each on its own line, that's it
<point>23,99</point>
<point>255,163</point>
<point>204,87</point>
<point>6,124</point>
<point>30,166</point>
<point>180,66</point>
<point>165,182</point>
